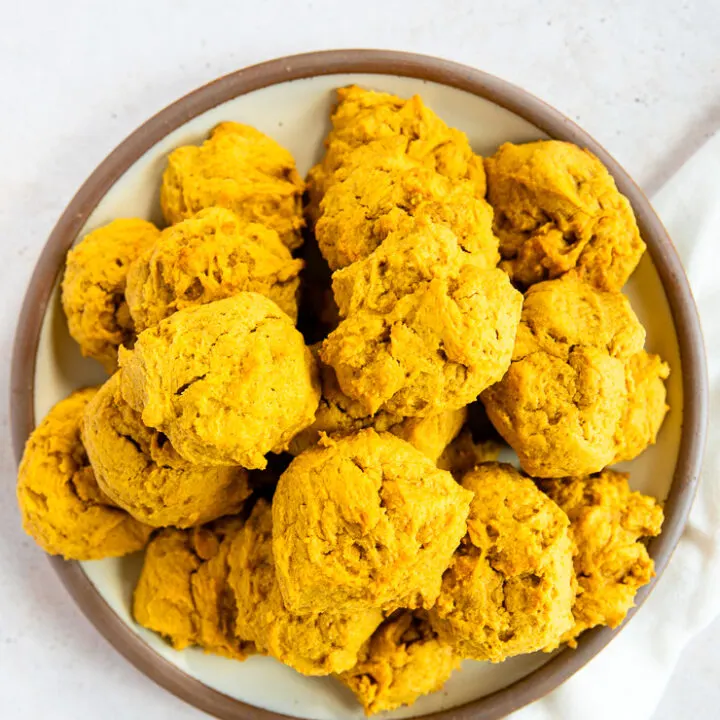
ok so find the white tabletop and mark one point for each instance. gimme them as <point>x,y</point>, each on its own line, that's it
<point>77,76</point>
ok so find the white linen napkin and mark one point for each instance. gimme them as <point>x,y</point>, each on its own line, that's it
<point>628,678</point>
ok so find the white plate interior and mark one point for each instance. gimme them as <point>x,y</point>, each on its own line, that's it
<point>296,115</point>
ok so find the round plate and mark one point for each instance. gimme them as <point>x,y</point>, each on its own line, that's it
<point>290,99</point>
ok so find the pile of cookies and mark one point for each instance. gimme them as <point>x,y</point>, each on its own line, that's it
<point>336,504</point>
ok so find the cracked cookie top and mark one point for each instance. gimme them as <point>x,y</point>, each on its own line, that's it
<point>404,262</point>
<point>364,520</point>
<point>61,505</point>
<point>183,592</point>
<point>510,587</point>
<point>227,382</point>
<point>403,660</point>
<point>558,212</point>
<point>608,525</point>
<point>317,643</point>
<point>93,287</point>
<point>381,190</point>
<point>141,471</point>
<point>210,256</point>
<point>241,169</point>
<point>579,380</point>
<point>365,116</point>
<point>435,349</point>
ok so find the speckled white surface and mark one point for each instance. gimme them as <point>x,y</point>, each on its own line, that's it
<point>77,77</point>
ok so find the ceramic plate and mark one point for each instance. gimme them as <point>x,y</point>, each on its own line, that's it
<point>290,100</point>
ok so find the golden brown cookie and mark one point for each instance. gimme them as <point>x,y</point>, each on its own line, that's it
<point>380,190</point>
<point>608,523</point>
<point>93,287</point>
<point>557,212</point>
<point>210,256</point>
<point>183,593</point>
<point>364,520</point>
<point>404,262</point>
<point>561,404</point>
<point>141,471</point>
<point>227,382</point>
<point>313,643</point>
<point>62,507</point>
<point>434,350</point>
<point>510,587</point>
<point>364,116</point>
<point>403,660</point>
<point>241,169</point>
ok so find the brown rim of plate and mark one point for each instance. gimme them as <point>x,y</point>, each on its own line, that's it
<point>382,62</point>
